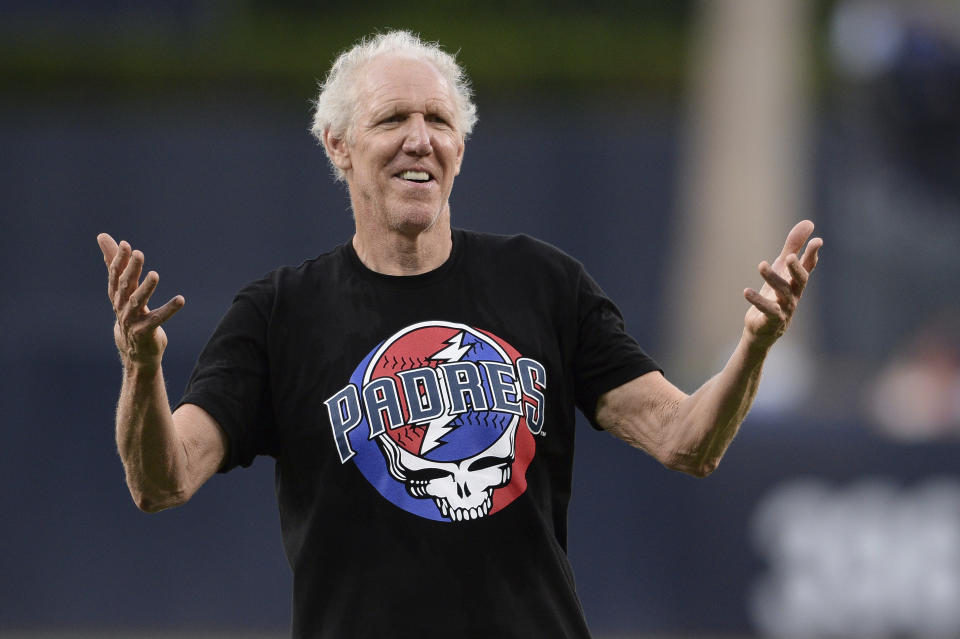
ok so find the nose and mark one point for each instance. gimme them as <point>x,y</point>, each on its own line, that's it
<point>417,139</point>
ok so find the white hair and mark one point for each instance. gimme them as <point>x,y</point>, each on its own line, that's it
<point>336,104</point>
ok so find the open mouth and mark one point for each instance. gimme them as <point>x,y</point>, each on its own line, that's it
<point>419,177</point>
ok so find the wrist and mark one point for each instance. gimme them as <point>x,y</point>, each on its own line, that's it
<point>135,368</point>
<point>757,345</point>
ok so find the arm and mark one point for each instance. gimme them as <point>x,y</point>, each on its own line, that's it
<point>167,456</point>
<point>690,433</point>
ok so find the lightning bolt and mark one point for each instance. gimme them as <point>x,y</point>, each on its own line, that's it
<point>437,428</point>
<point>454,352</point>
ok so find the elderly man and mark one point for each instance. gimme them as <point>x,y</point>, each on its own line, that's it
<point>418,397</point>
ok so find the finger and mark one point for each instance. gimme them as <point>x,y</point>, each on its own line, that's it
<point>137,303</point>
<point>811,254</point>
<point>798,275</point>
<point>129,278</point>
<point>165,312</point>
<point>779,285</point>
<point>797,237</point>
<point>764,304</point>
<point>108,247</point>
<point>117,264</point>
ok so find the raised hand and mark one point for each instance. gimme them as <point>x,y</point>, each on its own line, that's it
<point>137,329</point>
<point>775,303</point>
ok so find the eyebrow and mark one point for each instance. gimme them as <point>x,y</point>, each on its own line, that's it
<point>388,109</point>
<point>437,105</point>
<point>432,107</point>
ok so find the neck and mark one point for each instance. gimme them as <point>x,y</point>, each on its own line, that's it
<point>400,252</point>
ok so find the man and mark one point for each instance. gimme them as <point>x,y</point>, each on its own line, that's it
<point>417,396</point>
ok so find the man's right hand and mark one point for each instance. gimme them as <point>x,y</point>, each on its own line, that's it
<point>137,330</point>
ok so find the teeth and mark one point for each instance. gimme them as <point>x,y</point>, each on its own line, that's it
<point>465,514</point>
<point>416,176</point>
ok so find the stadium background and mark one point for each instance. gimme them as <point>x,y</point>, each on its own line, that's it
<point>617,133</point>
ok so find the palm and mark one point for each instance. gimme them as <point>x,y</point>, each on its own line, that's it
<point>150,345</point>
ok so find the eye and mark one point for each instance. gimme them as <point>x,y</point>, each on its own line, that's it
<point>392,119</point>
<point>487,462</point>
<point>426,474</point>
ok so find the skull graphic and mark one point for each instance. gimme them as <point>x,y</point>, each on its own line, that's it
<point>461,490</point>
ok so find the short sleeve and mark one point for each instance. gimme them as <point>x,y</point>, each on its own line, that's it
<point>606,355</point>
<point>231,379</point>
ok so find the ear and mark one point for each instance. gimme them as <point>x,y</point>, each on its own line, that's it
<point>460,151</point>
<point>338,151</point>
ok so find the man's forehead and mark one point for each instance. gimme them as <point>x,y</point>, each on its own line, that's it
<point>395,79</point>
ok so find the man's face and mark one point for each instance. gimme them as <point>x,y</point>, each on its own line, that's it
<point>404,148</point>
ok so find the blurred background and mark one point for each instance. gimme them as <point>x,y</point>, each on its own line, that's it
<point>667,145</point>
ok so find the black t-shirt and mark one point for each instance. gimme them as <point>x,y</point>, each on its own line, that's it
<point>423,432</point>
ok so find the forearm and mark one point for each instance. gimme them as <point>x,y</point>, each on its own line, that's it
<point>690,433</point>
<point>167,457</point>
<point>152,453</point>
<point>706,422</point>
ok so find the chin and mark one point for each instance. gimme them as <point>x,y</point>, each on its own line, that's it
<point>415,220</point>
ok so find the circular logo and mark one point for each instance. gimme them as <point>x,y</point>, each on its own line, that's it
<point>443,429</point>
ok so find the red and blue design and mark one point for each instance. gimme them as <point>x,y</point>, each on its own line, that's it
<point>440,418</point>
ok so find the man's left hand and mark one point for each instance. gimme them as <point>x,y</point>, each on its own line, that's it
<point>775,303</point>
